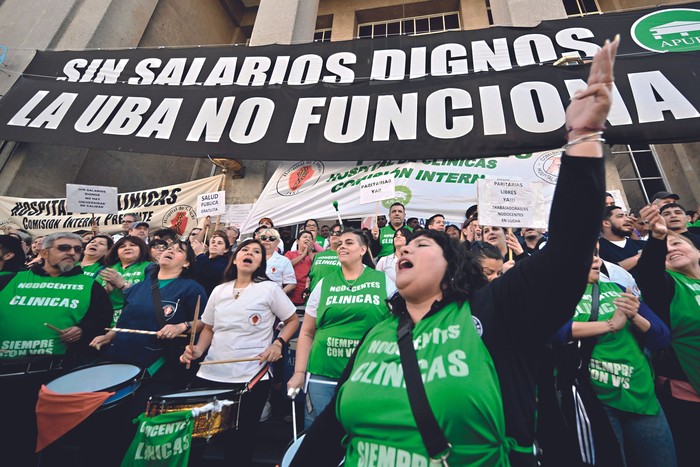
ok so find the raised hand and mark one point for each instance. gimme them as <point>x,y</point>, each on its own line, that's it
<point>589,107</point>
<point>656,221</point>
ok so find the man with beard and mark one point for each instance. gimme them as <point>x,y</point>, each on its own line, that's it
<point>54,293</point>
<point>534,238</point>
<point>383,237</point>
<point>677,221</point>
<point>615,244</point>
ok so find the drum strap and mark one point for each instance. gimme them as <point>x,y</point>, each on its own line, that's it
<point>157,305</point>
<point>249,385</point>
<point>433,438</point>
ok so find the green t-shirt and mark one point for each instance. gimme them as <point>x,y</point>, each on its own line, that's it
<point>685,326</point>
<point>93,270</point>
<point>386,239</point>
<point>461,384</point>
<point>30,300</point>
<point>324,262</point>
<point>132,274</point>
<point>620,372</point>
<point>346,311</point>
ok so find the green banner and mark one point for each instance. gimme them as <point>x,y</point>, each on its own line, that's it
<point>163,440</point>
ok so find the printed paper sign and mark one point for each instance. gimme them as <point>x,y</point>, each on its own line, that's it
<point>511,203</point>
<point>377,189</point>
<point>91,198</point>
<point>211,204</point>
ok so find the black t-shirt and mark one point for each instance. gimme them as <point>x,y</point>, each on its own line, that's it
<point>613,253</point>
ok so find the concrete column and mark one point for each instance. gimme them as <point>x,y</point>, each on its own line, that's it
<point>284,22</point>
<point>525,12</point>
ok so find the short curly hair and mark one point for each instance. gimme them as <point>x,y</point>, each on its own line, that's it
<point>463,275</point>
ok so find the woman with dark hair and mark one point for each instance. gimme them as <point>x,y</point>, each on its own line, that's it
<point>94,255</point>
<point>155,249</point>
<point>177,294</point>
<point>472,347</point>
<point>126,264</point>
<point>387,264</point>
<point>490,259</point>
<point>668,274</point>
<point>238,323</point>
<point>345,303</point>
<point>211,262</point>
<point>301,260</point>
<point>11,254</point>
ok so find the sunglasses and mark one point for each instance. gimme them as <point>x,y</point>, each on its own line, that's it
<point>265,238</point>
<point>337,233</point>
<point>78,249</point>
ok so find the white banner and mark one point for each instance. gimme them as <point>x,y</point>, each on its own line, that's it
<point>170,206</point>
<point>306,189</point>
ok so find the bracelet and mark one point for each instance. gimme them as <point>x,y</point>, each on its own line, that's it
<point>281,341</point>
<point>299,371</point>
<point>586,128</point>
<point>612,326</point>
<point>593,137</point>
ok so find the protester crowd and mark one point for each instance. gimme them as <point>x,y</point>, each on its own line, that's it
<point>585,340</point>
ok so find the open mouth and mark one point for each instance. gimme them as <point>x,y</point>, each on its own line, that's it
<point>404,264</point>
<point>247,261</point>
<point>675,256</point>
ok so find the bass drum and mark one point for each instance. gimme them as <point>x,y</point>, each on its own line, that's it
<point>120,378</point>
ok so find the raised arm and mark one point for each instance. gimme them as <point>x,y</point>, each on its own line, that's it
<point>540,293</point>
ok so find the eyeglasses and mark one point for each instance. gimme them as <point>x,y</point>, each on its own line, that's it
<point>159,247</point>
<point>78,248</point>
<point>265,238</point>
<point>310,225</point>
<point>337,233</point>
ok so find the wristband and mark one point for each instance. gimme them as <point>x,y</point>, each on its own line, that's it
<point>281,341</point>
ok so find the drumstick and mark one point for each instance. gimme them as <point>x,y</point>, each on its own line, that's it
<point>140,331</point>
<point>235,360</point>
<point>53,328</point>
<point>193,330</point>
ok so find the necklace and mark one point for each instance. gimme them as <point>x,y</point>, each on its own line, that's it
<point>237,291</point>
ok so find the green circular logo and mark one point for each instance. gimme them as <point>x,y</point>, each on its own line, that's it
<point>673,30</point>
<point>402,194</point>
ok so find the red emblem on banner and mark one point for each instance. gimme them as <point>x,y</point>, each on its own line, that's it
<point>179,222</point>
<point>299,176</point>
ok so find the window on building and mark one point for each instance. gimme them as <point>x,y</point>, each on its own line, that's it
<point>640,173</point>
<point>322,35</point>
<point>582,7</point>
<point>488,12</point>
<point>411,26</point>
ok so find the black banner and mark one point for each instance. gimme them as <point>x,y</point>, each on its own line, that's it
<point>460,94</point>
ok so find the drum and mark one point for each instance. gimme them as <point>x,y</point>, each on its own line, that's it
<point>291,451</point>
<point>120,378</point>
<point>206,424</point>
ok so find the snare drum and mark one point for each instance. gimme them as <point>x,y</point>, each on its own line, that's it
<point>206,424</point>
<point>120,378</point>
